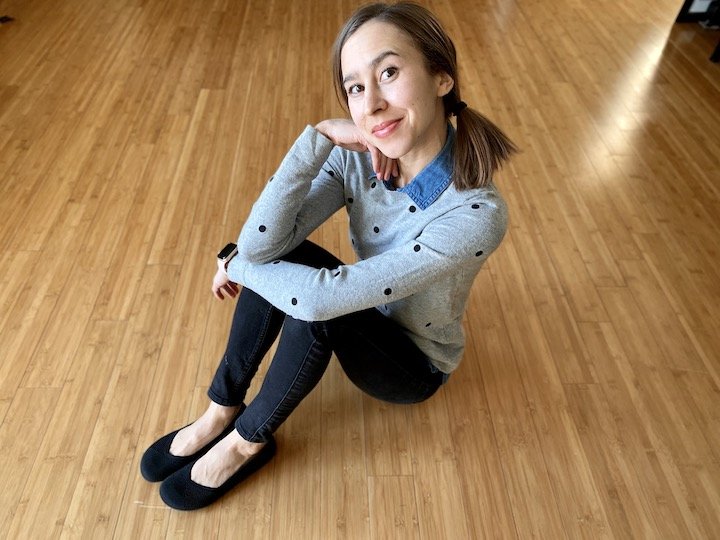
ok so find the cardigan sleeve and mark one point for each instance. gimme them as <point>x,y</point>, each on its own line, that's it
<point>302,194</point>
<point>463,237</point>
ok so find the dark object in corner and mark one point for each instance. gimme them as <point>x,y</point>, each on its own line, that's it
<point>696,10</point>
<point>707,13</point>
<point>5,19</point>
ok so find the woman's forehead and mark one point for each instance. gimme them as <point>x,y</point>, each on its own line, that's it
<point>372,39</point>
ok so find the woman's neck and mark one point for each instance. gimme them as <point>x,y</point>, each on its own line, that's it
<point>417,159</point>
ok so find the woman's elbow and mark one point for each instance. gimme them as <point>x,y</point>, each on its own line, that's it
<point>259,253</point>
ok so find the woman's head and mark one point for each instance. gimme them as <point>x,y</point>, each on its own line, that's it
<point>418,25</point>
<point>395,62</point>
<point>393,98</point>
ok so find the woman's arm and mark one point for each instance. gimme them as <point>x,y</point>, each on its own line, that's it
<point>344,133</point>
<point>464,236</point>
<point>301,195</point>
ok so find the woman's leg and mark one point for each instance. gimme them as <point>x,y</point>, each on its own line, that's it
<point>256,324</point>
<point>374,351</point>
<point>302,356</point>
<point>377,355</point>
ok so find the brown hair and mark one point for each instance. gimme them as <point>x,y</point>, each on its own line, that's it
<point>480,146</point>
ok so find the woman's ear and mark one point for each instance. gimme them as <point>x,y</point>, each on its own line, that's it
<point>445,84</point>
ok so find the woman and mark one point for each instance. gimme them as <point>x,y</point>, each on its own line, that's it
<point>424,216</point>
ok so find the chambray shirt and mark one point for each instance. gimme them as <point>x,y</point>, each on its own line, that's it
<point>419,247</point>
<point>429,184</point>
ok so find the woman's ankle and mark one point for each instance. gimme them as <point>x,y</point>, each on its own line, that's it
<point>221,414</point>
<point>244,447</point>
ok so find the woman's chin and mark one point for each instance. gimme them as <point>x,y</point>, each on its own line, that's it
<point>391,151</point>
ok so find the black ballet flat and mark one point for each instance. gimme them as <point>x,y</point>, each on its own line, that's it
<point>179,491</point>
<point>158,463</point>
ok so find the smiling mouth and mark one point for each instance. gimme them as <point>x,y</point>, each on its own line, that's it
<point>386,128</point>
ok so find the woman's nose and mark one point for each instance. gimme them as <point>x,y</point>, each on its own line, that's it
<point>374,100</point>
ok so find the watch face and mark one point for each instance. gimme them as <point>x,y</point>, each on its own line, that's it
<point>227,251</point>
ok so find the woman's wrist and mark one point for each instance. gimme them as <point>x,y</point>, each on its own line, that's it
<point>323,128</point>
<point>342,132</point>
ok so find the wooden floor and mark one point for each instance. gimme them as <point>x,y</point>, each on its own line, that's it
<point>135,135</point>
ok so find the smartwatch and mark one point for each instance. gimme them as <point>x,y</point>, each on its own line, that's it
<point>225,255</point>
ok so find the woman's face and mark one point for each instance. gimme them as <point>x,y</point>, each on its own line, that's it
<point>393,99</point>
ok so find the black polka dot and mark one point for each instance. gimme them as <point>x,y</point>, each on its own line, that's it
<point>427,325</point>
<point>262,228</point>
<point>475,206</point>
<point>294,301</point>
<point>376,229</point>
<point>276,262</point>
<point>337,273</point>
<point>388,291</point>
<point>416,248</point>
<point>373,184</point>
<point>479,253</point>
<point>412,208</point>
<point>350,200</point>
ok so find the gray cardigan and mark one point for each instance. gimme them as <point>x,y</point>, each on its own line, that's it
<point>419,248</point>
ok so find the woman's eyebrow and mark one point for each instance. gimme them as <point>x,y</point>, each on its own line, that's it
<point>374,64</point>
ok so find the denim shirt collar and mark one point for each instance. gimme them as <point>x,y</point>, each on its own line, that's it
<point>429,184</point>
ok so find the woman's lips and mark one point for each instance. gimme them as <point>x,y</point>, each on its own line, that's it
<point>386,128</point>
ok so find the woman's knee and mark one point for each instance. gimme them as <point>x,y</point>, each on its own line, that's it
<point>310,254</point>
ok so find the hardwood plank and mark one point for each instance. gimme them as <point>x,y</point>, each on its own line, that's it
<point>438,492</point>
<point>387,438</point>
<point>344,476</point>
<point>36,301</point>
<point>134,138</point>
<point>547,293</point>
<point>20,445</point>
<point>296,470</point>
<point>67,434</point>
<point>621,458</point>
<point>483,484</point>
<point>172,399</point>
<point>557,439</point>
<point>661,318</point>
<point>132,250</point>
<point>392,507</point>
<point>110,460</point>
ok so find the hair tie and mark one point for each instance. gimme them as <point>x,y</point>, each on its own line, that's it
<point>459,106</point>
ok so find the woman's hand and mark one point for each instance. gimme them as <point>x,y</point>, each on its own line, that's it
<point>346,134</point>
<point>221,282</point>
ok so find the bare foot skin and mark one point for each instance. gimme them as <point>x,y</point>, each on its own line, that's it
<point>193,437</point>
<point>223,460</point>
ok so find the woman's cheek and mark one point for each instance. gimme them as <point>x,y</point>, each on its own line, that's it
<point>355,114</point>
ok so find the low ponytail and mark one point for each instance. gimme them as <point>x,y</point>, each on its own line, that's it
<point>480,149</point>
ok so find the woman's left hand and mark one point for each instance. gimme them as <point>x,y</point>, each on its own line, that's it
<point>346,134</point>
<point>221,282</point>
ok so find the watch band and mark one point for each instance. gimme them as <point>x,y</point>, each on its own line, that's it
<point>226,254</point>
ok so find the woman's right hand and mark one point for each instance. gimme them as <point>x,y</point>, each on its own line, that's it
<point>346,134</point>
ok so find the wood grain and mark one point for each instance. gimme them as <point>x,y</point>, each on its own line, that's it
<point>134,138</point>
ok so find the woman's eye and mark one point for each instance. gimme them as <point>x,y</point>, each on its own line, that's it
<point>354,90</point>
<point>387,73</point>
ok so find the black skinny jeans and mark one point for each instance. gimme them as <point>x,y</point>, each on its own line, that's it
<point>372,349</point>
